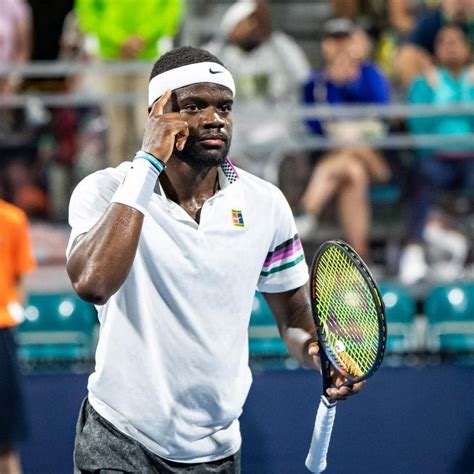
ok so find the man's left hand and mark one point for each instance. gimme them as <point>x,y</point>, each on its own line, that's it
<point>341,388</point>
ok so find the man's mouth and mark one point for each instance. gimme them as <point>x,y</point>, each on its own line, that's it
<point>213,140</point>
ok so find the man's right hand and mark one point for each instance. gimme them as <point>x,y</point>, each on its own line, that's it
<point>164,131</point>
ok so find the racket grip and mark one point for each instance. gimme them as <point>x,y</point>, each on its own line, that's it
<point>318,450</point>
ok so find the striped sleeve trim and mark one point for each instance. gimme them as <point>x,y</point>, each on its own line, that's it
<point>286,255</point>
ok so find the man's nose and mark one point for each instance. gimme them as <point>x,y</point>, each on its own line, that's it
<point>212,118</point>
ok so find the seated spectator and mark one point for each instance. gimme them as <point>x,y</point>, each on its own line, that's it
<point>269,68</point>
<point>345,172</point>
<point>440,167</point>
<point>15,41</point>
<point>17,157</point>
<point>416,56</point>
<point>387,22</point>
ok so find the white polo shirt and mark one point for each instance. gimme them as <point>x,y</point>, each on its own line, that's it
<point>172,360</point>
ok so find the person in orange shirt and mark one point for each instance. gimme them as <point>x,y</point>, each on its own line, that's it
<point>16,259</point>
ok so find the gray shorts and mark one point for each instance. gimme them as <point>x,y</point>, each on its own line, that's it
<point>101,448</point>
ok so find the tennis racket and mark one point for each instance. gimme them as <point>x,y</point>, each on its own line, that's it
<point>350,318</point>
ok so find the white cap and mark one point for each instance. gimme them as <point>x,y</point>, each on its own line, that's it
<point>236,13</point>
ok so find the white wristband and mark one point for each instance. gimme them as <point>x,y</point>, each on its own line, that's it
<point>138,185</point>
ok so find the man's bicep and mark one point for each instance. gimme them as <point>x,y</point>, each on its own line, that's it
<point>89,202</point>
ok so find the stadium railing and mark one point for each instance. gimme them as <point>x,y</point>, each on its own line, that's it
<point>293,114</point>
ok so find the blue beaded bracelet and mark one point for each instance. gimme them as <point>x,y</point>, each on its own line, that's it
<point>157,163</point>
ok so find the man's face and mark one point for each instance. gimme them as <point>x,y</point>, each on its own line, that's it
<point>451,48</point>
<point>334,47</point>
<point>356,46</point>
<point>207,109</point>
<point>247,34</point>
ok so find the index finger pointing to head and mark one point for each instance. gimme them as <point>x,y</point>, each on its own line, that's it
<point>159,105</point>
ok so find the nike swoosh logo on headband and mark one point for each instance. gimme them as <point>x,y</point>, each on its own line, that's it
<point>214,72</point>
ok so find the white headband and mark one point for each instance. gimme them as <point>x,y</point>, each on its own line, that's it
<point>187,75</point>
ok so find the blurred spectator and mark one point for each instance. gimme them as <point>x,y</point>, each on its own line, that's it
<point>416,56</point>
<point>387,22</point>
<point>16,259</point>
<point>72,40</point>
<point>48,27</point>
<point>346,172</point>
<point>127,31</point>
<point>269,68</point>
<point>15,41</point>
<point>16,143</point>
<point>440,167</point>
<point>48,19</point>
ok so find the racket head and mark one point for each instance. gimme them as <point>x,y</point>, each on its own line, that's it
<point>348,311</point>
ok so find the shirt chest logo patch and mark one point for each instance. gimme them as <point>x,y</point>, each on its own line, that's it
<point>237,218</point>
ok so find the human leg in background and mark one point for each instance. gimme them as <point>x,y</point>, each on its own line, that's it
<point>341,173</point>
<point>354,207</point>
<point>447,242</point>
<point>326,178</point>
<point>433,174</point>
<point>377,167</point>
<point>12,416</point>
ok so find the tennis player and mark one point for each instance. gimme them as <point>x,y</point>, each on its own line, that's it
<point>171,247</point>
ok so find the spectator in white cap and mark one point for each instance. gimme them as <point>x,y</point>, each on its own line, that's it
<point>269,68</point>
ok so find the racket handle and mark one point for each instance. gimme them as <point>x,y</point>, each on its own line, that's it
<point>316,458</point>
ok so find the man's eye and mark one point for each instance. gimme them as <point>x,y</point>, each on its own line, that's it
<point>191,108</point>
<point>226,108</point>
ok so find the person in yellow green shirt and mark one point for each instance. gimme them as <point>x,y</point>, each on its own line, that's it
<point>127,30</point>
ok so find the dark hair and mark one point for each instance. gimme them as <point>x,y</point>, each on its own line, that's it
<point>182,57</point>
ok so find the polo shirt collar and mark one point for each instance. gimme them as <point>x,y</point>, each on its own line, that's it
<point>226,172</point>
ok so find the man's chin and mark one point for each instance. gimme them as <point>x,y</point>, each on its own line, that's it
<point>204,158</point>
<point>208,159</point>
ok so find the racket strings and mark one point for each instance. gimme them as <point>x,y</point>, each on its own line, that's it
<point>347,313</point>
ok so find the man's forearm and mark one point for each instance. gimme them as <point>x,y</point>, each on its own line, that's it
<point>298,340</point>
<point>292,312</point>
<point>101,260</point>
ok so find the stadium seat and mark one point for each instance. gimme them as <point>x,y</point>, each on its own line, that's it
<point>264,339</point>
<point>400,310</point>
<point>385,193</point>
<point>57,326</point>
<point>450,313</point>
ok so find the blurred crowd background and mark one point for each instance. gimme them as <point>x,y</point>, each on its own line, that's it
<point>360,111</point>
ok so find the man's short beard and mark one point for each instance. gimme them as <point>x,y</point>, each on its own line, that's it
<point>198,157</point>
